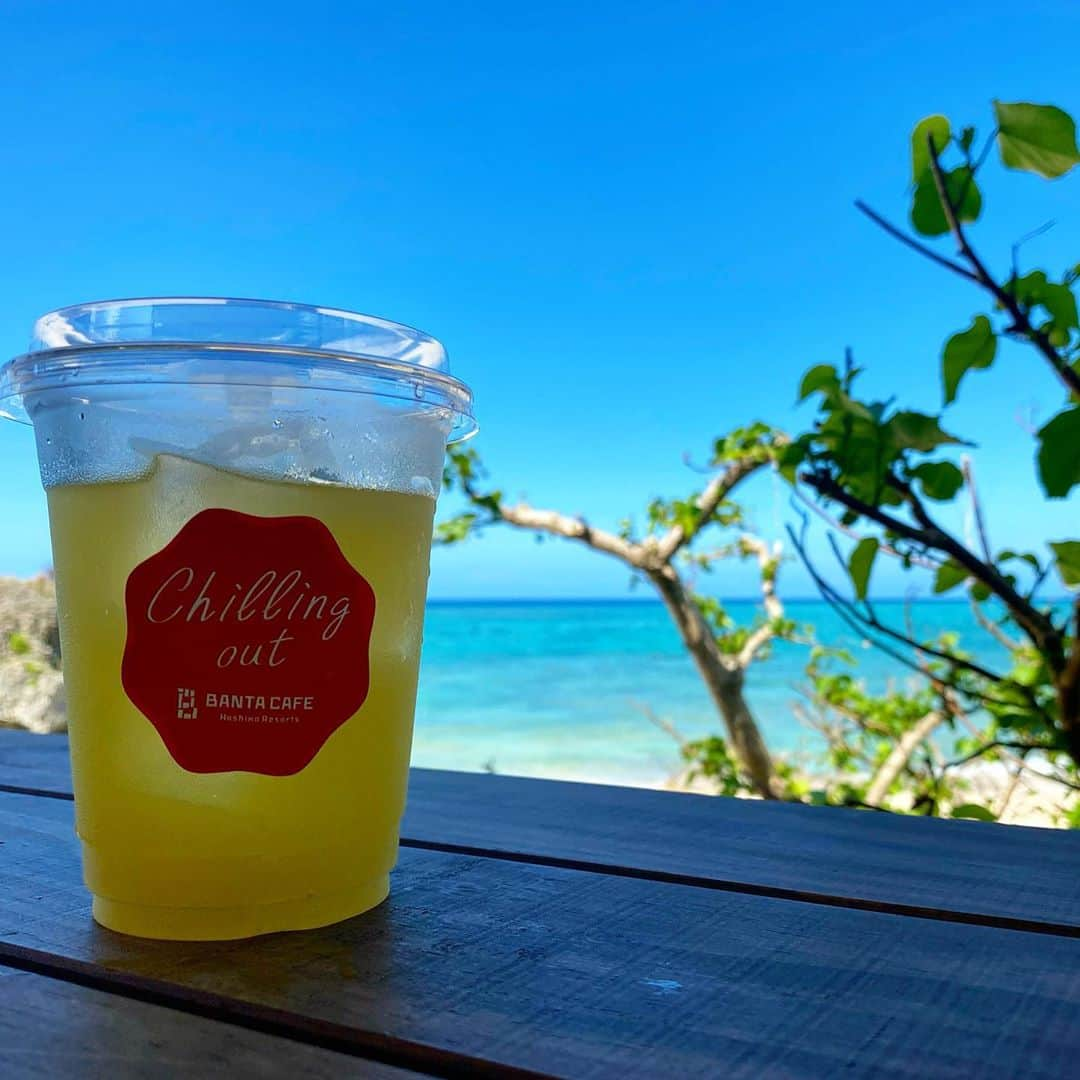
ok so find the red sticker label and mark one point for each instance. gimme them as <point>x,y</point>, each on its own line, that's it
<point>247,642</point>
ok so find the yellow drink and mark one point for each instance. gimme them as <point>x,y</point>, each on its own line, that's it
<point>174,853</point>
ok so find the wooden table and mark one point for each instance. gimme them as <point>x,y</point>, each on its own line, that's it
<point>547,928</point>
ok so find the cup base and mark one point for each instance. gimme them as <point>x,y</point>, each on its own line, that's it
<point>251,920</point>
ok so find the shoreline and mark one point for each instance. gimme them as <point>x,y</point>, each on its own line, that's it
<point>1027,802</point>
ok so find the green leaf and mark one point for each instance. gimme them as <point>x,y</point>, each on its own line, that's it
<point>973,811</point>
<point>980,591</point>
<point>1033,289</point>
<point>1017,720</point>
<point>940,480</point>
<point>1036,138</point>
<point>861,562</point>
<point>1008,555</point>
<point>974,347</point>
<point>949,575</point>
<point>820,377</point>
<point>454,530</point>
<point>917,431</point>
<point>927,215</point>
<point>1059,453</point>
<point>967,139</point>
<point>1067,554</point>
<point>1061,306</point>
<point>790,458</point>
<point>1028,288</point>
<point>936,127</point>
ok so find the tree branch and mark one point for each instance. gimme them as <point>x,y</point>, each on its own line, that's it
<point>1038,627</point>
<point>990,626</point>
<point>854,534</point>
<point>992,745</point>
<point>1006,749</point>
<point>899,755</point>
<point>523,516</point>
<point>1021,323</point>
<point>912,243</point>
<point>1008,793</point>
<point>968,472</point>
<point>665,725</point>
<point>769,564</point>
<point>864,623</point>
<point>1068,688</point>
<point>708,502</point>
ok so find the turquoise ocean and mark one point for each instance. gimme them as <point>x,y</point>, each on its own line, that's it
<point>558,688</point>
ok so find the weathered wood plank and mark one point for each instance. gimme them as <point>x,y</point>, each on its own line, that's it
<point>34,761</point>
<point>50,1028</point>
<point>971,869</point>
<point>589,974</point>
<point>1011,874</point>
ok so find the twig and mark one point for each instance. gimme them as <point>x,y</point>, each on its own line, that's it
<point>987,147</point>
<point>664,725</point>
<point>968,471</point>
<point>899,755</point>
<point>1068,688</point>
<point>912,243</point>
<point>1021,323</point>
<point>523,516</point>
<point>871,619</point>
<point>1045,227</point>
<point>708,502</point>
<point>859,623</point>
<point>854,534</point>
<point>990,626</point>
<point>1038,627</point>
<point>1005,748</point>
<point>768,563</point>
<point>1007,794</point>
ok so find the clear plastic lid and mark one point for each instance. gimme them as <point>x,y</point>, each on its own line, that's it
<point>232,342</point>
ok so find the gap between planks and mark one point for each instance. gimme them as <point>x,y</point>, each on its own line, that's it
<point>355,1042</point>
<point>775,892</point>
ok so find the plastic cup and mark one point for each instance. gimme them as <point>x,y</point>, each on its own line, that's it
<point>241,497</point>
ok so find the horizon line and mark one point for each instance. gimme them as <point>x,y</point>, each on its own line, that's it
<point>930,598</point>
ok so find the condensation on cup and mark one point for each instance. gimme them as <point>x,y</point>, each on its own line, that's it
<point>241,496</point>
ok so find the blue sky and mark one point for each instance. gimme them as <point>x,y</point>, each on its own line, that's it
<point>630,223</point>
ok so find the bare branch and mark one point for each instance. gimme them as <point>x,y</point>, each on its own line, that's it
<point>968,471</point>
<point>523,516</point>
<point>666,726</point>
<point>1046,226</point>
<point>1021,324</point>
<point>862,722</point>
<point>899,755</point>
<point>911,242</point>
<point>708,502</point>
<point>854,534</point>
<point>990,626</point>
<point>1009,792</point>
<point>863,623</point>
<point>769,564</point>
<point>1038,626</point>
<point>1000,746</point>
<point>1068,689</point>
<point>1006,749</point>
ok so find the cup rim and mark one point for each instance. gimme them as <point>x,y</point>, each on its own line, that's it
<point>142,339</point>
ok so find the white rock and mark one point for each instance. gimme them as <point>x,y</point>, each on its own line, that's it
<point>31,684</point>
